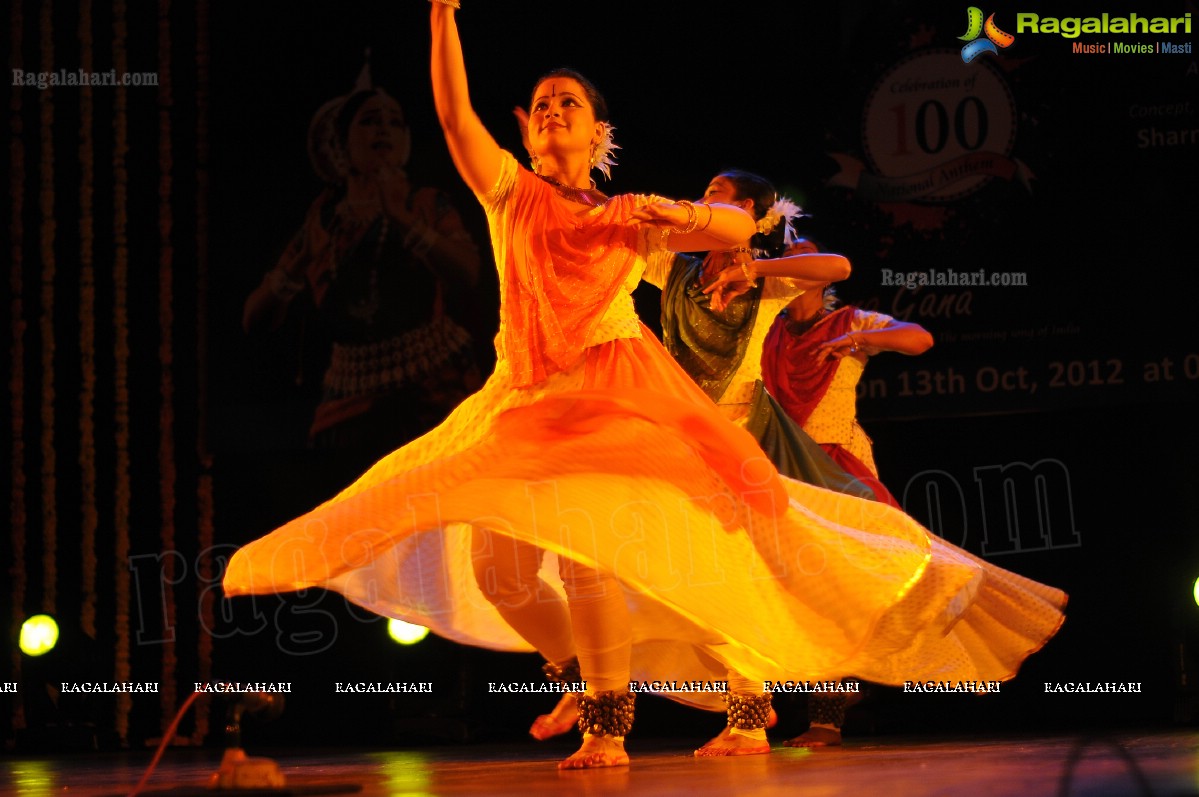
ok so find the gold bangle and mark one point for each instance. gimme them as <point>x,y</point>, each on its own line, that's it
<point>450,3</point>
<point>707,223</point>
<point>753,281</point>
<point>692,217</point>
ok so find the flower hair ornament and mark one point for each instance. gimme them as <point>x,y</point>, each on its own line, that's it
<point>829,299</point>
<point>783,210</point>
<point>601,154</point>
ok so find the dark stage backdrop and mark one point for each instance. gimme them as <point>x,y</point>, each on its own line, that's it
<point>1033,207</point>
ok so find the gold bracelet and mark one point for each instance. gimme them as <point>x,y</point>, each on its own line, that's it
<point>450,3</point>
<point>753,281</point>
<point>692,217</point>
<point>707,223</point>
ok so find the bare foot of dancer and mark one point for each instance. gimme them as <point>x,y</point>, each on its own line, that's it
<point>749,715</point>
<point>564,717</point>
<point>727,743</point>
<point>817,736</point>
<point>597,751</point>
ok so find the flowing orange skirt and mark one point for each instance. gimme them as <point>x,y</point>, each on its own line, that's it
<point>623,464</point>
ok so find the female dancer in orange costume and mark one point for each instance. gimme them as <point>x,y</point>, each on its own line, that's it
<point>682,552</point>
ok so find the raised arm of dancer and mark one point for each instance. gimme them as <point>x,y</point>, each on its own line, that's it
<point>475,152</point>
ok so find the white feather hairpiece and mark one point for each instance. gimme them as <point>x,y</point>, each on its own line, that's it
<point>602,158</point>
<point>783,210</point>
<point>829,298</point>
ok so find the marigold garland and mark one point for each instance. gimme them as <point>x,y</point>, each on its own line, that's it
<point>120,278</point>
<point>16,379</point>
<point>87,331</point>
<point>204,500</point>
<point>167,474</point>
<point>47,230</point>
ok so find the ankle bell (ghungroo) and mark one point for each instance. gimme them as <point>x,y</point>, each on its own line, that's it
<point>567,673</point>
<point>826,709</point>
<point>608,713</point>
<point>747,711</point>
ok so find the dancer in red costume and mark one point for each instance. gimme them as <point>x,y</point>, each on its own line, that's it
<point>813,359</point>
<point>814,356</point>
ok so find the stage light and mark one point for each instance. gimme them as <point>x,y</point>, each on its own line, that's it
<point>39,635</point>
<point>406,633</point>
<point>1195,592</point>
<point>56,651</point>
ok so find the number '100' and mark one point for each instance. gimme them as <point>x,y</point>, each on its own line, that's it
<point>932,113</point>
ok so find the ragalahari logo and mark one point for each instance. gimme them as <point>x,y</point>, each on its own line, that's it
<point>975,27</point>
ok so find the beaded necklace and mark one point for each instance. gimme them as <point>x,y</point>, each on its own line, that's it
<point>592,197</point>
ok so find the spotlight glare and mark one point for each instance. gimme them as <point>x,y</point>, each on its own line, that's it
<point>39,634</point>
<point>406,633</point>
<point>1196,592</point>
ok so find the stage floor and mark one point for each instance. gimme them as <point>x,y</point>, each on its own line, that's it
<point>1125,763</point>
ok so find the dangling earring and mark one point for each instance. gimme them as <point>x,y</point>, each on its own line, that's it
<point>535,163</point>
<point>591,160</point>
